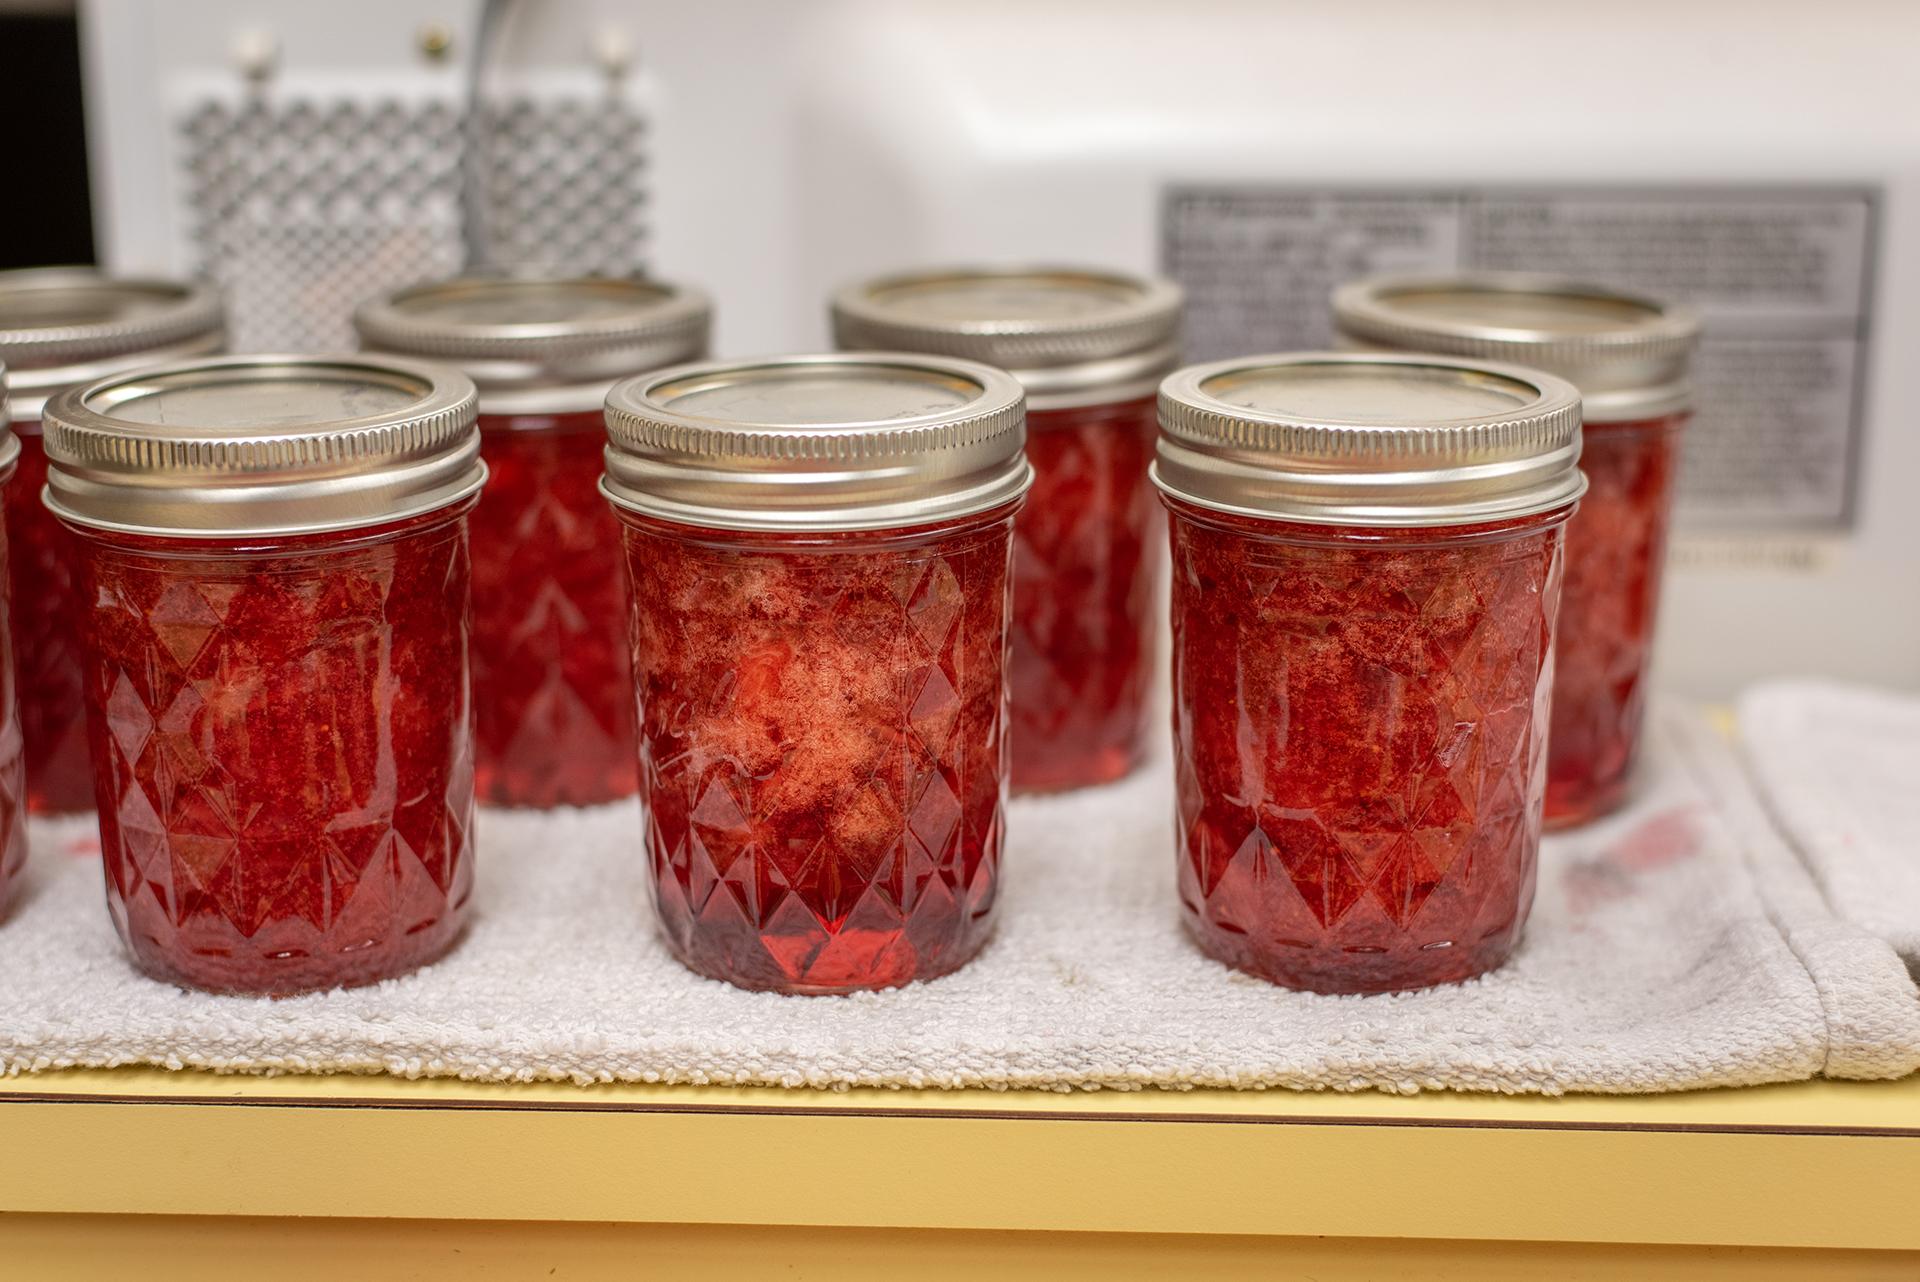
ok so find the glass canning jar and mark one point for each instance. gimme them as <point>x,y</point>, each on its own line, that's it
<point>819,551</point>
<point>1628,356</point>
<point>63,327</point>
<point>13,779</point>
<point>1089,346</point>
<point>1366,570</point>
<point>552,687</point>
<point>273,554</point>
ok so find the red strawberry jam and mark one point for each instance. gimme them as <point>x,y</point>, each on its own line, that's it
<point>52,708</point>
<point>1088,345</point>
<point>823,747</point>
<point>1360,743</point>
<point>61,327</point>
<point>274,556</point>
<point>1366,576</point>
<point>819,551</point>
<point>553,691</point>
<point>1628,355</point>
<point>13,779</point>
<point>1085,565</point>
<point>1616,547</point>
<point>282,751</point>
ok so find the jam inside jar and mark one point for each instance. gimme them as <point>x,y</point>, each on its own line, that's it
<point>1628,354</point>
<point>819,549</point>
<point>1359,744</point>
<point>282,752</point>
<point>823,746</point>
<point>1089,346</point>
<point>53,720</point>
<point>1616,549</point>
<point>553,702</point>
<point>1367,561</point>
<point>13,778</point>
<point>553,714</point>
<point>275,661</point>
<point>1086,563</point>
<point>61,327</point>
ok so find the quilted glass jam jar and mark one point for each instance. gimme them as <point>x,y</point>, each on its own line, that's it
<point>13,779</point>
<point>273,556</point>
<point>1628,356</point>
<point>1366,571</point>
<point>62,327</point>
<point>552,689</point>
<point>819,551</point>
<point>1089,346</point>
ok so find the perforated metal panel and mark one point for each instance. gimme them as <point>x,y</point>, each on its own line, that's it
<point>301,208</point>
<point>565,186</point>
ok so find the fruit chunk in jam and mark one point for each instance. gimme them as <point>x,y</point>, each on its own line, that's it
<point>53,712</point>
<point>822,747</point>
<point>1083,597</point>
<point>282,750</point>
<point>1360,736</point>
<point>1616,547</point>
<point>553,688</point>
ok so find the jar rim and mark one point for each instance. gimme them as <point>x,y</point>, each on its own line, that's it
<point>66,326</point>
<point>260,445</point>
<point>534,341</point>
<point>829,441</point>
<point>202,541</point>
<point>1503,526</point>
<point>1073,335</point>
<point>1627,352</point>
<point>1355,438</point>
<point>828,537</point>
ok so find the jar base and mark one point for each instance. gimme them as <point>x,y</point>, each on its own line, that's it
<point>1074,771</point>
<point>63,794</point>
<point>1570,805</point>
<point>56,809</point>
<point>767,977</point>
<point>502,796</point>
<point>296,976</point>
<point>1317,970</point>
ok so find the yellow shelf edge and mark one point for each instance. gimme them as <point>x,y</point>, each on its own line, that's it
<point>1820,1164</point>
<point>1816,1105</point>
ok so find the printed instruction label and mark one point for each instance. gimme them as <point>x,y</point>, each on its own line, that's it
<point>1782,275</point>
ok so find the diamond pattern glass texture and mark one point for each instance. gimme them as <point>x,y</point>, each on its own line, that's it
<point>1360,734</point>
<point>822,747</point>
<point>1085,566</point>
<point>1616,550</point>
<point>282,750</point>
<point>553,685</point>
<point>53,713</point>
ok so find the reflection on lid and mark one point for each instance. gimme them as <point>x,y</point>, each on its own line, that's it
<point>831,394</point>
<point>1383,394</point>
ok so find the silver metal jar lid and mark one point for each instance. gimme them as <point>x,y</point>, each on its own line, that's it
<point>855,441</point>
<point>61,327</point>
<point>9,443</point>
<point>1349,438</point>
<point>541,344</point>
<point>257,445</point>
<point>1071,335</point>
<point>1626,353</point>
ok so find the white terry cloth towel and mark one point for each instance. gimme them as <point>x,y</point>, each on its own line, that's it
<point>1839,766</point>
<point>1676,945</point>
